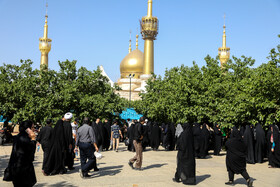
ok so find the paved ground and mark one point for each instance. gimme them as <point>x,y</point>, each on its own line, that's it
<point>159,167</point>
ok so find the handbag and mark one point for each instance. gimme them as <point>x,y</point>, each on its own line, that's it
<point>8,174</point>
<point>126,142</point>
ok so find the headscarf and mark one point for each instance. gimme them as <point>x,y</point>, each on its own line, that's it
<point>179,130</point>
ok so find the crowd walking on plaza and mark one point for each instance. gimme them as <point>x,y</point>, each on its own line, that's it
<point>245,144</point>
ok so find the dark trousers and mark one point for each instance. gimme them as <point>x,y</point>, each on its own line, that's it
<point>46,155</point>
<point>88,160</point>
<point>69,156</point>
<point>244,174</point>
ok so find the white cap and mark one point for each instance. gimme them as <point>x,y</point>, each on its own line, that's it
<point>68,115</point>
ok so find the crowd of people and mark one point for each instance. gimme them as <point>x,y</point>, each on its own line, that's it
<point>244,144</point>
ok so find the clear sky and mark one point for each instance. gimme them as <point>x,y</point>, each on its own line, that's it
<point>96,32</point>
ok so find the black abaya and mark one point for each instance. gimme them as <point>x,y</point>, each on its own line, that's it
<point>186,158</point>
<point>217,139</point>
<point>259,144</point>
<point>69,152</point>
<point>21,161</point>
<point>130,131</point>
<point>55,162</point>
<point>249,142</point>
<point>196,134</point>
<point>274,157</point>
<point>204,142</point>
<point>97,133</point>
<point>145,140</point>
<point>236,153</point>
<point>155,136</point>
<point>107,135</point>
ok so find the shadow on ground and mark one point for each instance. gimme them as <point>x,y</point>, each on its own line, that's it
<point>201,178</point>
<point>242,181</point>
<point>154,166</point>
<point>59,184</point>
<point>111,170</point>
<point>4,160</point>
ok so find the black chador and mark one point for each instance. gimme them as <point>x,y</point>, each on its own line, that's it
<point>196,134</point>
<point>98,133</point>
<point>44,138</point>
<point>185,171</point>
<point>204,142</point>
<point>69,145</point>
<point>236,157</point>
<point>21,161</point>
<point>249,142</point>
<point>145,141</point>
<point>55,161</point>
<point>259,144</point>
<point>155,136</point>
<point>107,135</point>
<point>274,141</point>
<point>217,139</point>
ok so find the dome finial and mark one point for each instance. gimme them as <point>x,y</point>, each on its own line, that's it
<point>137,39</point>
<point>150,8</point>
<point>129,49</point>
<point>224,32</point>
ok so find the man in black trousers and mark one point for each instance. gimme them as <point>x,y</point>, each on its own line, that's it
<point>86,142</point>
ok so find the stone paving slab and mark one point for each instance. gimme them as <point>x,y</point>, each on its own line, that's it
<point>159,168</point>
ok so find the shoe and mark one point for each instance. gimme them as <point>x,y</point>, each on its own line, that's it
<point>131,165</point>
<point>229,183</point>
<point>63,172</point>
<point>116,150</point>
<point>176,180</point>
<point>96,169</point>
<point>138,169</point>
<point>250,183</point>
<point>86,176</point>
<point>71,168</point>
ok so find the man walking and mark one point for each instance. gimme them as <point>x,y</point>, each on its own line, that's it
<point>86,142</point>
<point>44,138</point>
<point>137,142</point>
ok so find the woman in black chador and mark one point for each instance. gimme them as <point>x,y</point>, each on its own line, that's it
<point>236,157</point>
<point>274,146</point>
<point>196,134</point>
<point>185,171</point>
<point>249,142</point>
<point>155,136</point>
<point>259,144</point>
<point>217,140</point>
<point>55,162</point>
<point>22,157</point>
<point>204,141</point>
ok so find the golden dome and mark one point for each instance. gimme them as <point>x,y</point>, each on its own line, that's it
<point>133,63</point>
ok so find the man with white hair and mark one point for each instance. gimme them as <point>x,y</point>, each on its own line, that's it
<point>68,136</point>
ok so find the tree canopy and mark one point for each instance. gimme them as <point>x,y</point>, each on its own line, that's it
<point>235,94</point>
<point>26,93</point>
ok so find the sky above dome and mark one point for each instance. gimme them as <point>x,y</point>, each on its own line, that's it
<point>95,32</point>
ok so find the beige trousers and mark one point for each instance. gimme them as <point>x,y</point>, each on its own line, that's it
<point>139,155</point>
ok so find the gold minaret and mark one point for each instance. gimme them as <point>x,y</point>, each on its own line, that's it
<point>149,31</point>
<point>224,52</point>
<point>45,44</point>
<point>129,49</point>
